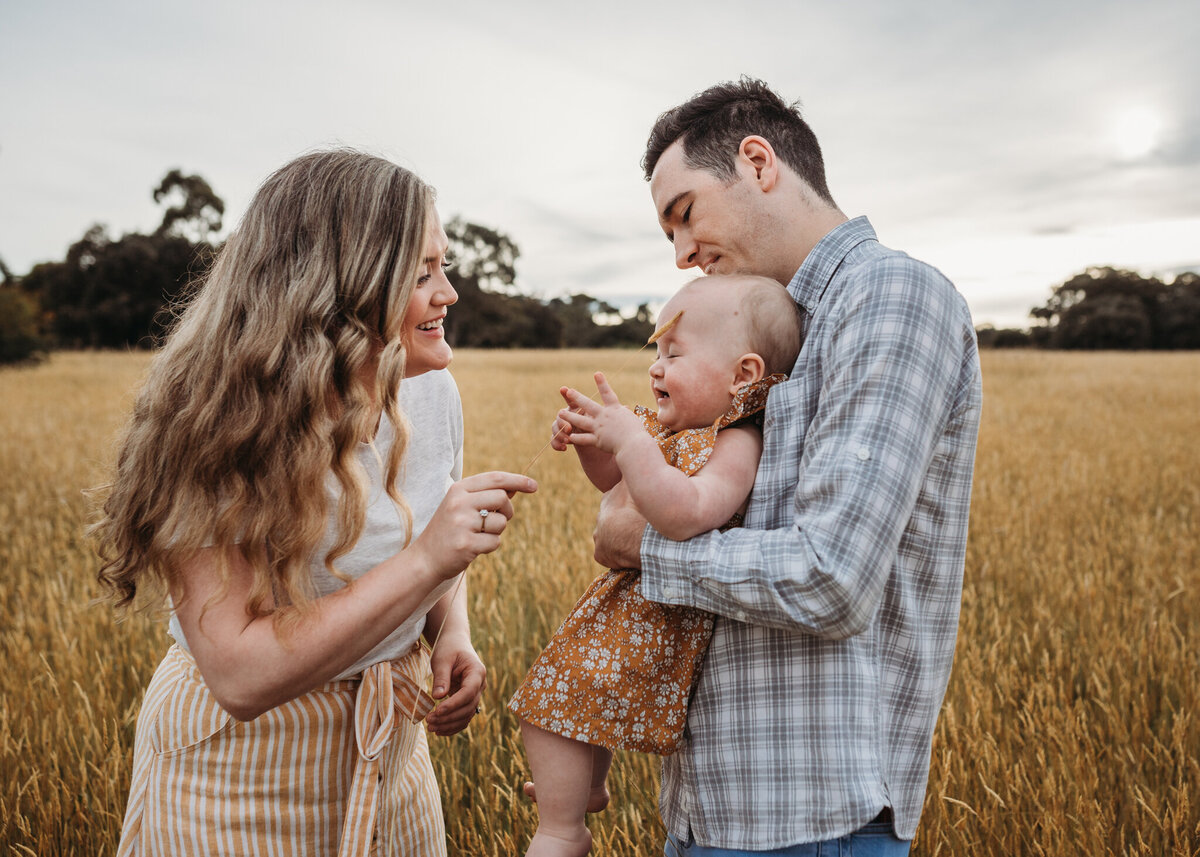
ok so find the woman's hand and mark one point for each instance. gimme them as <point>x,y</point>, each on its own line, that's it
<point>459,677</point>
<point>469,521</point>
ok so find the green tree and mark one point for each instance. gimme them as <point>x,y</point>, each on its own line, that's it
<point>482,255</point>
<point>491,312</point>
<point>990,336</point>
<point>19,339</point>
<point>1112,321</point>
<point>1177,313</point>
<point>577,314</point>
<point>113,293</point>
<point>629,331</point>
<point>1114,308</point>
<point>193,211</point>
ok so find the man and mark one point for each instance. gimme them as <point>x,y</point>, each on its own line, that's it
<point>837,604</point>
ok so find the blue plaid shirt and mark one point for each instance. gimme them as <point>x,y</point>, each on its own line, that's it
<point>838,601</point>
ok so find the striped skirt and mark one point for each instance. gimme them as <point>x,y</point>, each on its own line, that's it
<point>341,770</point>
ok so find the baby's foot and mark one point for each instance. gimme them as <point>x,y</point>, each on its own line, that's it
<point>598,797</point>
<point>548,844</point>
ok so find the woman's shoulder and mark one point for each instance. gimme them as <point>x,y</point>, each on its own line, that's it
<point>437,384</point>
<point>431,396</point>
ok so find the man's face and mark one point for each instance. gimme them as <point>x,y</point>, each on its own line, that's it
<point>711,223</point>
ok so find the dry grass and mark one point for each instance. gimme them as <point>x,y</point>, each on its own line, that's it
<point>1069,725</point>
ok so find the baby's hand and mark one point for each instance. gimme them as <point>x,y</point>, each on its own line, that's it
<point>606,424</point>
<point>561,437</point>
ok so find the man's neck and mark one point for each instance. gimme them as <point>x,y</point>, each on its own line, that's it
<point>812,224</point>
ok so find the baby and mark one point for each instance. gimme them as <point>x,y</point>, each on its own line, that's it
<point>618,672</point>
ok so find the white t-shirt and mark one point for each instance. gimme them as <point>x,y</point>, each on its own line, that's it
<point>432,463</point>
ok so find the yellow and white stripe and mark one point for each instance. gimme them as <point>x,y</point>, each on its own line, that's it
<point>341,770</point>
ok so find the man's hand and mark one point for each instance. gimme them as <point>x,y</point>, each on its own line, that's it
<point>619,527</point>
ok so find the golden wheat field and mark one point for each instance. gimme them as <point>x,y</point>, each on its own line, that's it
<point>1070,725</point>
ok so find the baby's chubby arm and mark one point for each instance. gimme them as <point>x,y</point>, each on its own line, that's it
<point>676,505</point>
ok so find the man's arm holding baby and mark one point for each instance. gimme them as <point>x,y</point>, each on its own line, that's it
<point>617,539</point>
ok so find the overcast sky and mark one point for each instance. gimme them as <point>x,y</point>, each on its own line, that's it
<point>1011,144</point>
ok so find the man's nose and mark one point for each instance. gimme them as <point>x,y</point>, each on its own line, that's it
<point>685,252</point>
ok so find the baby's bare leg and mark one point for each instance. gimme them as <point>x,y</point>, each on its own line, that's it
<point>601,762</point>
<point>563,774</point>
<point>598,797</point>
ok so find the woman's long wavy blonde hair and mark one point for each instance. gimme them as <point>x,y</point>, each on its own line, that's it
<point>257,395</point>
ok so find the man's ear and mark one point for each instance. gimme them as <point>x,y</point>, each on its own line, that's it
<point>750,368</point>
<point>756,155</point>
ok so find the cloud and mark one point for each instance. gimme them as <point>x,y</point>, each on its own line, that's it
<point>973,136</point>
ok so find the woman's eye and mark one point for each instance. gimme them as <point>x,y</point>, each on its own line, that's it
<point>687,213</point>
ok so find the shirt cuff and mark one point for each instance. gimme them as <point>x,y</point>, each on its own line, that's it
<point>665,564</point>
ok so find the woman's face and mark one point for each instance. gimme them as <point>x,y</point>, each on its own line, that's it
<point>423,336</point>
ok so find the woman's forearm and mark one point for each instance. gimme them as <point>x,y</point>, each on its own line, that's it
<point>449,614</point>
<point>253,664</point>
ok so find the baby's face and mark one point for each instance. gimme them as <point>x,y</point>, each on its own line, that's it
<point>693,377</point>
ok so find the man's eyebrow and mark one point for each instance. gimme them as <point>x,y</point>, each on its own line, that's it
<point>666,212</point>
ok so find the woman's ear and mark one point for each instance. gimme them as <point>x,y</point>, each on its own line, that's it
<point>749,368</point>
<point>756,155</point>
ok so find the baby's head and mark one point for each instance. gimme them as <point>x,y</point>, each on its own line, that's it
<point>734,329</point>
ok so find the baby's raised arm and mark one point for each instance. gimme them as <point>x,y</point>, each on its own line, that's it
<point>599,466</point>
<point>676,505</point>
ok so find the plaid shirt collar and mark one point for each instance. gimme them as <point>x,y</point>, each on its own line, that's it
<point>816,273</point>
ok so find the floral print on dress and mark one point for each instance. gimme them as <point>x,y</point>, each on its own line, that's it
<point>619,670</point>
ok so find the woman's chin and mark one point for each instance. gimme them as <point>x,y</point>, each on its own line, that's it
<point>419,364</point>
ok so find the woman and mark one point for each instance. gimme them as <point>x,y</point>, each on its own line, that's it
<point>257,487</point>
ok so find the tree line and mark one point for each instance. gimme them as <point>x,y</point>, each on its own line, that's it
<point>1111,309</point>
<point>118,293</point>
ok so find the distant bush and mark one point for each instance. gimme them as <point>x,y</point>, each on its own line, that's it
<point>1005,337</point>
<point>19,339</point>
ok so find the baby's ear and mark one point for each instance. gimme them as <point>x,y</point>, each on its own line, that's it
<point>750,368</point>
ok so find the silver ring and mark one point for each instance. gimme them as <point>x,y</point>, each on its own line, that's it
<point>483,513</point>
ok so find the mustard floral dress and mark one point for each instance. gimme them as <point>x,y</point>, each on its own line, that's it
<point>619,670</point>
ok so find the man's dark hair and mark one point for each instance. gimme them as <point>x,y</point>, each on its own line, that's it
<point>713,124</point>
